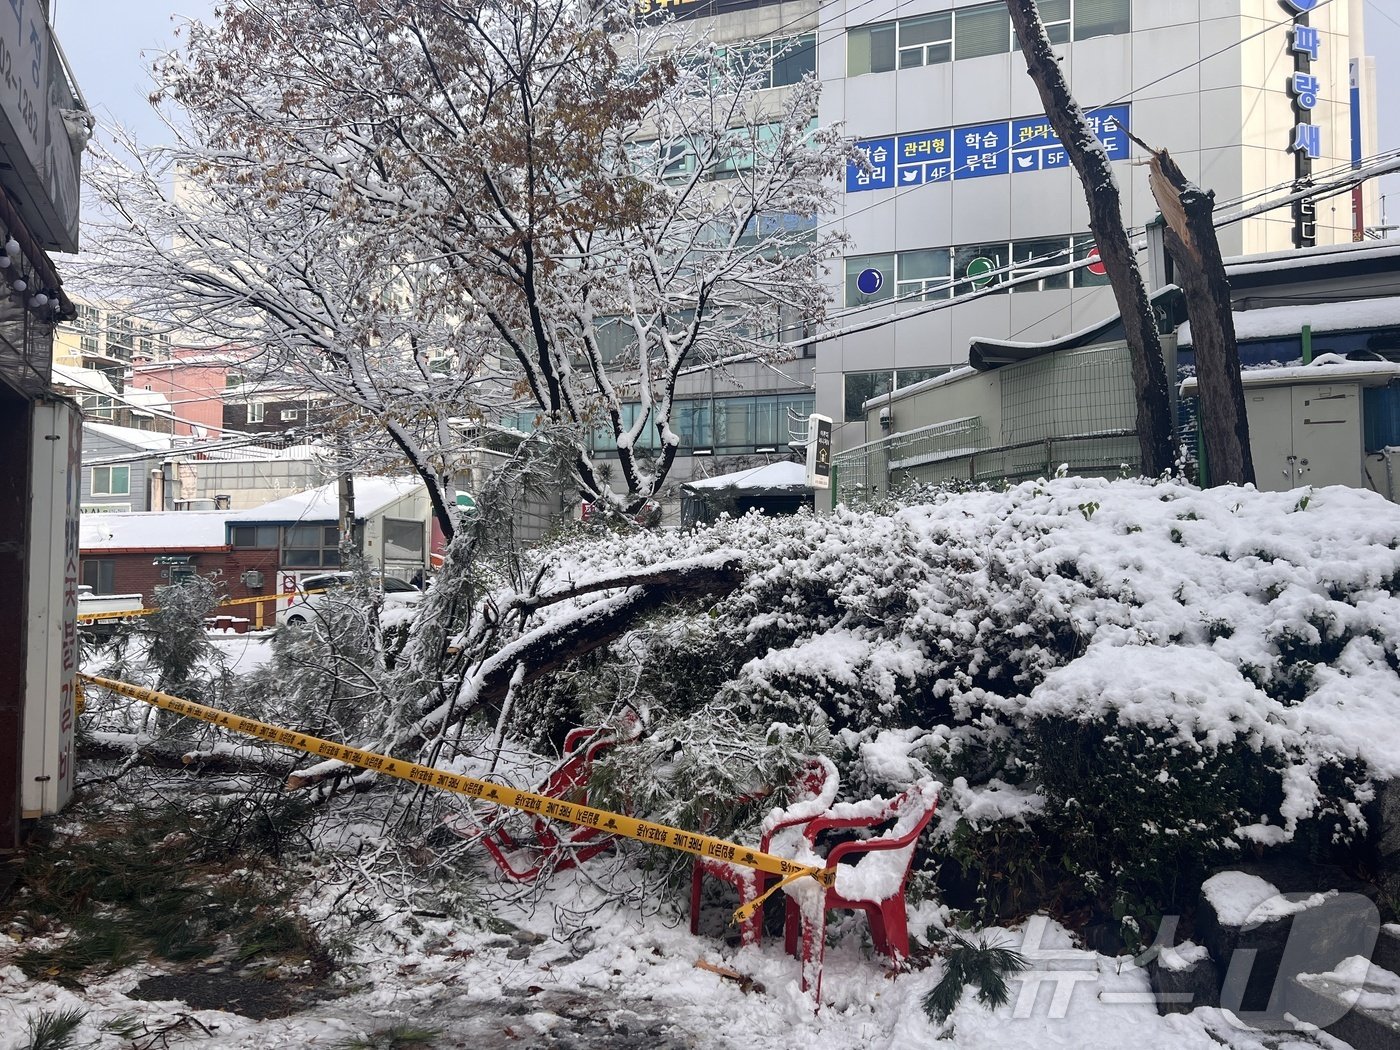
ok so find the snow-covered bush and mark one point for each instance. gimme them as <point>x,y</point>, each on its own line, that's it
<point>1113,697</point>
<point>707,770</point>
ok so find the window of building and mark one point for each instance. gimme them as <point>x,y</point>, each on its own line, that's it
<point>678,163</point>
<point>793,59</point>
<point>724,425</point>
<point>99,574</point>
<point>111,481</point>
<point>862,386</point>
<point>310,546</point>
<point>98,406</point>
<point>795,230</point>
<point>615,339</point>
<point>983,30</point>
<point>1030,257</point>
<point>774,63</point>
<point>740,148</point>
<point>253,537</point>
<point>977,266</point>
<point>403,540</point>
<point>1055,15</point>
<point>1083,245</point>
<point>1101,18</point>
<point>674,161</point>
<point>287,413</point>
<point>255,411</point>
<point>925,41</point>
<point>856,265</point>
<point>119,339</point>
<point>936,273</point>
<point>973,32</point>
<point>923,274</point>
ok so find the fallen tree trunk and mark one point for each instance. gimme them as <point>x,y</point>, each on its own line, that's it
<point>551,645</point>
<point>158,754</point>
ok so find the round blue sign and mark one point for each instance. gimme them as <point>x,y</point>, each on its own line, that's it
<point>870,281</point>
<point>1301,6</point>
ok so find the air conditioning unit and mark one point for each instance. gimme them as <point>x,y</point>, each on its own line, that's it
<point>252,579</point>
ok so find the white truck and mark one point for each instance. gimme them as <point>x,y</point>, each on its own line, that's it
<point>106,608</point>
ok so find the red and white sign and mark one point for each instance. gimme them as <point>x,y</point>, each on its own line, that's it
<point>1097,268</point>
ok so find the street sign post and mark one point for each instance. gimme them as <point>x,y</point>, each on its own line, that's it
<point>819,451</point>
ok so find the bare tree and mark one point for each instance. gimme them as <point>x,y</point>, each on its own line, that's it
<point>297,294</point>
<point>605,202</point>
<point>1091,163</point>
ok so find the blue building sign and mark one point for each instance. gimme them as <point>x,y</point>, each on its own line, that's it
<point>981,150</point>
<point>926,156</point>
<point>870,281</point>
<point>880,154</point>
<point>948,154</point>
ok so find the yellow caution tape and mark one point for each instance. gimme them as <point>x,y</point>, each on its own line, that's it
<point>133,613</point>
<point>497,794</point>
<point>123,614</point>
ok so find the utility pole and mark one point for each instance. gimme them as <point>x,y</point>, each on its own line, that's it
<point>1106,221</point>
<point>345,491</point>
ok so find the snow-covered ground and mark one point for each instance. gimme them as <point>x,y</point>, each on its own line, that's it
<point>634,981</point>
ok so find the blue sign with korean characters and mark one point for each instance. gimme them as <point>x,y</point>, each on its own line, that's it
<point>1007,147</point>
<point>1036,147</point>
<point>880,154</point>
<point>926,156</point>
<point>981,150</point>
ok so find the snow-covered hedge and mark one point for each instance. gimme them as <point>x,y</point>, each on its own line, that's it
<point>1118,681</point>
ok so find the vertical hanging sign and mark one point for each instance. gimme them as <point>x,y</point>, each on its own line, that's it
<point>1358,215</point>
<point>1305,43</point>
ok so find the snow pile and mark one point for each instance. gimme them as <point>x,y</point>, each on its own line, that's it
<point>1146,670</point>
<point>1241,899</point>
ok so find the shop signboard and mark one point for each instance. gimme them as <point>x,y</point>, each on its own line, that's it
<point>978,151</point>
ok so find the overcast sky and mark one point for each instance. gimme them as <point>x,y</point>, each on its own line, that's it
<point>110,44</point>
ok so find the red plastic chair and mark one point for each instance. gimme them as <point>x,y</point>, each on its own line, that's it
<point>557,847</point>
<point>815,791</point>
<point>874,883</point>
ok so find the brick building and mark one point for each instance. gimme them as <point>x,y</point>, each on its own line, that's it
<point>260,551</point>
<point>136,553</point>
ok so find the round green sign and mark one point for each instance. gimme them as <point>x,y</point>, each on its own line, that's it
<point>979,270</point>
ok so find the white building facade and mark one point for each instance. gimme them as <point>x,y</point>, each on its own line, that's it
<point>975,183</point>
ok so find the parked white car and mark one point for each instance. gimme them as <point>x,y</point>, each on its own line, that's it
<point>319,595</point>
